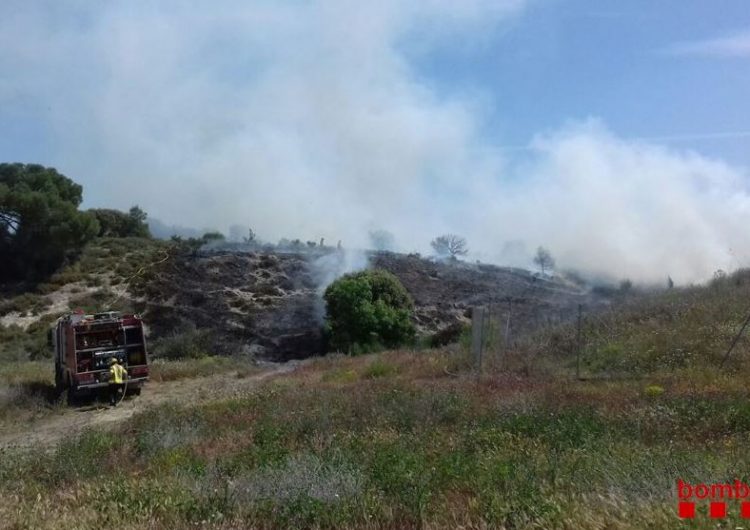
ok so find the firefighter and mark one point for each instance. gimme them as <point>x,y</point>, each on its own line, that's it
<point>117,377</point>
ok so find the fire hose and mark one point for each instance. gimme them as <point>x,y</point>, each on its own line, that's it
<point>125,387</point>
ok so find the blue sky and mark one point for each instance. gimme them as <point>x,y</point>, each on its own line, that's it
<point>610,132</point>
<point>559,60</point>
<point>568,60</point>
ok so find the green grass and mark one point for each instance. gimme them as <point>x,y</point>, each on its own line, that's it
<point>413,448</point>
<point>171,370</point>
<point>379,368</point>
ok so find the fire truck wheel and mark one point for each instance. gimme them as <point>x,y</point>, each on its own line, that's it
<point>72,396</point>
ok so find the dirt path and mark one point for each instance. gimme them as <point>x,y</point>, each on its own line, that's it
<point>50,431</point>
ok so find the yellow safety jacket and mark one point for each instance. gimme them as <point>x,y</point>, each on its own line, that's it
<point>117,374</point>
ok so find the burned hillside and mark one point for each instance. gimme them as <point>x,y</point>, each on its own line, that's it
<point>445,291</point>
<point>265,304</point>
<point>268,303</point>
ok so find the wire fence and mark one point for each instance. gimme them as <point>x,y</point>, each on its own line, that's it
<point>592,341</point>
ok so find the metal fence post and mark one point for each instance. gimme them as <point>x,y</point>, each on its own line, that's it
<point>477,323</point>
<point>507,324</point>
<point>578,342</point>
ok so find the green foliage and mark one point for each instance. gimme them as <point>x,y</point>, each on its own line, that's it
<point>340,375</point>
<point>379,368</point>
<point>114,223</point>
<point>40,224</point>
<point>653,391</point>
<point>190,344</point>
<point>25,304</point>
<point>212,236</point>
<point>366,309</point>
<point>17,344</point>
<point>172,370</point>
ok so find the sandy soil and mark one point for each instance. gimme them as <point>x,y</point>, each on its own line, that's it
<point>57,302</point>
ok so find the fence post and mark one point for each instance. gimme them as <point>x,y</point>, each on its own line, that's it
<point>578,342</point>
<point>734,342</point>
<point>477,323</point>
<point>507,324</point>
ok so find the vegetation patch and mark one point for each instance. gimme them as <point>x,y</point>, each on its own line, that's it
<point>417,450</point>
<point>368,310</point>
<point>379,368</point>
<point>171,370</point>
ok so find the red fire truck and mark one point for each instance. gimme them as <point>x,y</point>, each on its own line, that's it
<point>84,344</point>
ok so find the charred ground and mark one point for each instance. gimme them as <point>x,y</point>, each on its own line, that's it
<point>268,303</point>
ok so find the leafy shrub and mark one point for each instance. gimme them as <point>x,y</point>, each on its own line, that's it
<point>366,309</point>
<point>24,304</point>
<point>114,223</point>
<point>17,344</point>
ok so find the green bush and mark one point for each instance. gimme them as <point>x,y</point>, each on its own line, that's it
<point>114,223</point>
<point>368,309</point>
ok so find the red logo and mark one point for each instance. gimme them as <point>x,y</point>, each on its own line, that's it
<point>715,495</point>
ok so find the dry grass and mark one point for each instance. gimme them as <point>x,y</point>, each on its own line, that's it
<point>27,392</point>
<point>395,440</point>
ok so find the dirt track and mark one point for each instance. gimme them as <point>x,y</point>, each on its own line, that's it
<point>50,431</point>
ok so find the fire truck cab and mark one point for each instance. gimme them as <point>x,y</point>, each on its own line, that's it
<point>84,344</point>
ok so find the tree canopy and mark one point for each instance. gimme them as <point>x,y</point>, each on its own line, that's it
<point>40,224</point>
<point>368,309</point>
<point>115,223</point>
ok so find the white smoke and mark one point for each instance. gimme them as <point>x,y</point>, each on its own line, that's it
<point>627,209</point>
<point>327,267</point>
<point>306,120</point>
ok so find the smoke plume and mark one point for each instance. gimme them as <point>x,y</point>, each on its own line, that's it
<point>307,120</point>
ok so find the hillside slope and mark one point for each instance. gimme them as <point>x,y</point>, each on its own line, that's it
<point>407,439</point>
<point>269,303</point>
